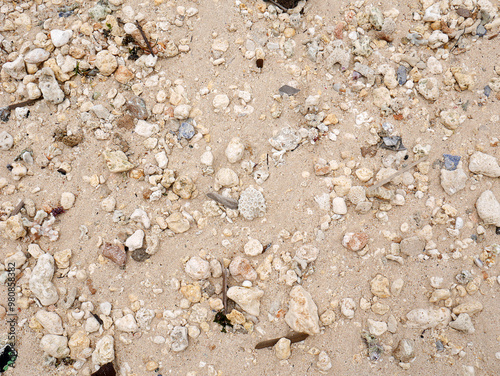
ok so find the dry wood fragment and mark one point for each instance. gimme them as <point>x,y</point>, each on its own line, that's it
<point>294,337</point>
<point>402,171</point>
<point>230,203</point>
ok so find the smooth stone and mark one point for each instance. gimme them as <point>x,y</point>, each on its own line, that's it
<point>146,129</point>
<point>302,315</point>
<point>379,286</point>
<point>139,215</point>
<point>241,269</point>
<point>106,63</point>
<point>377,328</point>
<point>404,351</point>
<point>60,37</point>
<point>428,318</point>
<point>127,323</point>
<point>197,268</point>
<point>339,206</point>
<point>67,200</point>
<point>453,181</point>
<point>137,108</point>
<point>253,247</point>
<point>36,56</point>
<point>135,241</point>
<point>234,150</point>
<point>177,223</point>
<point>282,349</point>
<point>15,69</point>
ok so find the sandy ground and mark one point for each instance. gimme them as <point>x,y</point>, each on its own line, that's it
<point>289,192</point>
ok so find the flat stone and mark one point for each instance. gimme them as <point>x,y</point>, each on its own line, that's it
<point>379,286</point>
<point>106,63</point>
<point>377,328</point>
<point>60,37</point>
<point>463,323</point>
<point>355,241</point>
<point>412,246</point>
<point>127,324</point>
<point>248,298</point>
<point>48,85</point>
<point>124,75</point>
<point>241,269</point>
<point>302,315</point>
<point>6,140</point>
<point>282,349</point>
<point>146,129</point>
<point>404,351</point>
<point>117,161</point>
<point>177,223</point>
<point>179,338</point>
<point>488,208</point>
<point>453,181</point>
<point>50,321</point>
<point>426,318</point>
<point>484,164</point>
<point>197,268</point>
<point>15,69</point>
<point>78,342</point>
<point>36,56</point>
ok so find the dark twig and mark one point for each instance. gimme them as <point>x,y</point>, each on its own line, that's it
<point>6,110</point>
<point>294,337</point>
<point>145,38</point>
<point>17,209</point>
<point>402,171</point>
<point>224,288</point>
<point>278,5</point>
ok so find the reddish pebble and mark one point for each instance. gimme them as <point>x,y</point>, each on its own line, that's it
<point>355,241</point>
<point>115,253</point>
<point>338,31</point>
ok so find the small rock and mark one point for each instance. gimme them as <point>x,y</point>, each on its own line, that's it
<point>13,227</point>
<point>179,338</point>
<point>488,208</point>
<point>379,286</point>
<point>451,162</point>
<point>429,88</point>
<point>248,298</point>
<point>127,323</point>
<point>307,253</point>
<point>234,150</point>
<point>54,345</point>
<point>428,318</point>
<point>15,69</point>
<point>67,200</point>
<point>339,206</point>
<point>108,204</point>
<point>453,181</point>
<point>146,129</point>
<point>481,163</point>
<point>376,328</point>
<point>137,108</point>
<point>115,253</point>
<point>191,293</point>
<point>104,350</point>
<point>106,63</point>
<point>302,315</point>
<point>226,177</point>
<point>463,323</point>
<point>92,325</point>
<point>60,37</point>
<point>197,268</point>
<point>40,282</point>
<point>241,269</point>
<point>18,171</point>
<point>186,129</point>
<point>177,223</point>
<point>135,241</point>
<point>49,87</point>
<point>183,187</point>
<point>451,119</point>
<point>348,307</point>
<point>6,140</point>
<point>327,317</point>
<point>355,241</point>
<point>117,161</point>
<point>141,216</point>
<point>220,102</point>
<point>62,259</point>
<point>181,112</point>
<point>324,362</point>
<point>412,246</point>
<point>36,56</point>
<point>470,308</point>
<point>50,321</point>
<point>282,349</point>
<point>78,342</point>
<point>404,351</point>
<point>123,75</point>
<point>253,247</point>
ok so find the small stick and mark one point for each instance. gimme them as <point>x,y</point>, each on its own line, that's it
<point>294,337</point>
<point>17,209</point>
<point>231,203</point>
<point>144,37</point>
<point>21,104</point>
<point>224,288</point>
<point>278,5</point>
<point>402,171</point>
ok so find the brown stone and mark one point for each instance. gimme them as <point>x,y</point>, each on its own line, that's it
<point>123,75</point>
<point>115,253</point>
